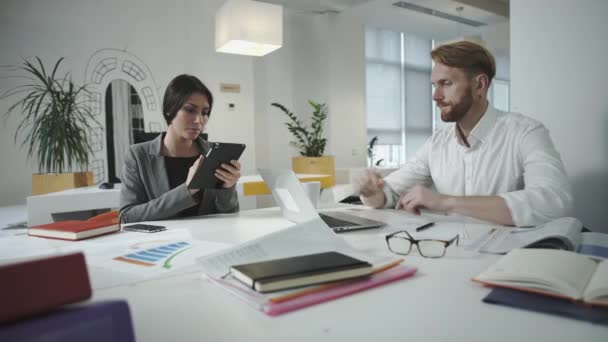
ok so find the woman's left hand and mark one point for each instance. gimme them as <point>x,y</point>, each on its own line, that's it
<point>229,173</point>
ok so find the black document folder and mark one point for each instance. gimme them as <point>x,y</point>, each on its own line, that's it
<point>546,304</point>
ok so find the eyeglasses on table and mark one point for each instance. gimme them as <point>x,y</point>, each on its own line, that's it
<point>401,243</point>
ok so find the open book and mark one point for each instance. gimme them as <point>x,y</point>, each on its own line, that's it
<point>563,233</point>
<point>550,272</point>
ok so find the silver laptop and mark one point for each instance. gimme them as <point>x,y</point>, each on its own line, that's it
<point>289,195</point>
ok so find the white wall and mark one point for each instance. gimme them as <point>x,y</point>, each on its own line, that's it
<point>347,90</point>
<point>558,76</point>
<point>289,76</point>
<point>322,59</point>
<point>170,37</point>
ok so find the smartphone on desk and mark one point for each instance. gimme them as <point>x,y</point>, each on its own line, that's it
<point>144,228</point>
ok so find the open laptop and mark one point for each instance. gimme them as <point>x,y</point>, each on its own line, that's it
<point>289,195</point>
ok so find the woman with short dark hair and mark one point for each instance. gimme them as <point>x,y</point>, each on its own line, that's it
<point>156,174</point>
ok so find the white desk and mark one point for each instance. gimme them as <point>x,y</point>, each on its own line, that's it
<point>439,303</point>
<point>41,207</point>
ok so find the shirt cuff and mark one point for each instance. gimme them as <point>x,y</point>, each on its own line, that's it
<point>520,213</point>
<point>389,194</point>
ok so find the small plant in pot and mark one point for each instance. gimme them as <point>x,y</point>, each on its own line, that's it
<point>310,143</point>
<point>371,152</point>
<point>54,125</point>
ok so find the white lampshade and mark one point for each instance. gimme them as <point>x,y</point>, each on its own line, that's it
<point>248,27</point>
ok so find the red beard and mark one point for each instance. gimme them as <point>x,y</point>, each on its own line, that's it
<point>457,111</point>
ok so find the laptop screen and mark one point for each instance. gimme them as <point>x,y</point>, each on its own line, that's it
<point>289,195</point>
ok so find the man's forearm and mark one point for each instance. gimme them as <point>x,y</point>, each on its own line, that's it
<point>375,201</point>
<point>487,208</point>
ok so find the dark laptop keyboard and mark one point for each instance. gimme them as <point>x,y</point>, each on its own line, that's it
<point>334,222</point>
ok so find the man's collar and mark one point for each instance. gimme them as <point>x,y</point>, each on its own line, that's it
<point>481,130</point>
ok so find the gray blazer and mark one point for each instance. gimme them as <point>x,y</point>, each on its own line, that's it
<point>145,193</point>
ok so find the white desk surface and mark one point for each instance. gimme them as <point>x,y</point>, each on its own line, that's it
<point>439,303</point>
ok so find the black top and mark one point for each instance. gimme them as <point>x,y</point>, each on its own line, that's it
<point>177,172</point>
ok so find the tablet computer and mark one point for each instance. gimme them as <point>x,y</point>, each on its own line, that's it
<point>218,154</point>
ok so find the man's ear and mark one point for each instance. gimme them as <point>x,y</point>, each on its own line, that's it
<point>482,84</point>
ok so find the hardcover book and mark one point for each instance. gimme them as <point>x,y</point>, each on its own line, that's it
<point>74,229</point>
<point>279,274</point>
<point>37,286</point>
<point>100,321</point>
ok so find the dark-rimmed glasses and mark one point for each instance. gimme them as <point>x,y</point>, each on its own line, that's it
<point>401,243</point>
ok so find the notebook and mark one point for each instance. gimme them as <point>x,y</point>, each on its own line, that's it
<point>285,273</point>
<point>296,207</point>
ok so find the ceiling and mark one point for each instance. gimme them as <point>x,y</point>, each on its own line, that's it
<point>383,14</point>
<point>317,6</point>
<point>471,7</point>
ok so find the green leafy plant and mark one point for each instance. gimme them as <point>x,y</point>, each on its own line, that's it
<point>371,152</point>
<point>309,141</point>
<point>55,120</point>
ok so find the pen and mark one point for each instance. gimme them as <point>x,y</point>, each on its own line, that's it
<point>425,226</point>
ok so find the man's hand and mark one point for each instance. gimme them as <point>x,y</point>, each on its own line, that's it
<point>369,183</point>
<point>229,173</point>
<point>420,197</point>
<point>370,186</point>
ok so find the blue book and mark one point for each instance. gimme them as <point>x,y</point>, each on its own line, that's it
<point>92,322</point>
<point>546,304</point>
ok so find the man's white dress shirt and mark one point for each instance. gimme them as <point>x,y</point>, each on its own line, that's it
<point>510,155</point>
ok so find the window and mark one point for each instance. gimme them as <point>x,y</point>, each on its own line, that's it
<point>399,94</point>
<point>400,108</point>
<point>498,94</point>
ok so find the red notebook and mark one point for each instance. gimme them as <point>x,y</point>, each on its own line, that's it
<point>74,230</point>
<point>37,286</point>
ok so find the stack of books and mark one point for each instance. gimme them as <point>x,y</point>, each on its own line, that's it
<point>551,281</point>
<point>278,286</point>
<point>44,299</point>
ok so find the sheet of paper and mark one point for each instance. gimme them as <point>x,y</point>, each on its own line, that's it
<point>134,261</point>
<point>176,251</point>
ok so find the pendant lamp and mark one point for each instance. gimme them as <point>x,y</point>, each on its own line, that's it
<point>247,27</point>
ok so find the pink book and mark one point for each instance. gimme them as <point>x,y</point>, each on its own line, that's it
<point>393,274</point>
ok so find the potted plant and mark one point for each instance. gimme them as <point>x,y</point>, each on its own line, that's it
<point>371,152</point>
<point>310,142</point>
<point>54,126</point>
